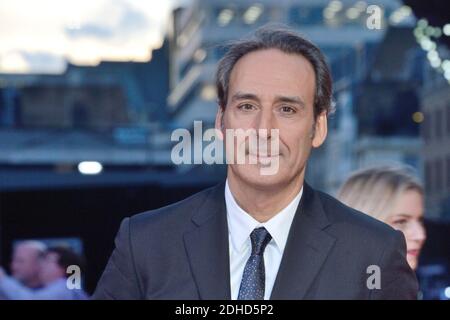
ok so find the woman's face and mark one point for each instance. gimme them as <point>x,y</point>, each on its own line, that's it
<point>407,216</point>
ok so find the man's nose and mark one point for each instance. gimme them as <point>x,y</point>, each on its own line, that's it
<point>265,122</point>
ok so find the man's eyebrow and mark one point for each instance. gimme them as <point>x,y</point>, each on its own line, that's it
<point>293,99</point>
<point>250,96</point>
<point>244,96</point>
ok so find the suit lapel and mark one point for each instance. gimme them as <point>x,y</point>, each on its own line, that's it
<point>306,249</point>
<point>207,247</point>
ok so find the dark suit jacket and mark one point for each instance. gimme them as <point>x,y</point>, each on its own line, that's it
<point>181,252</point>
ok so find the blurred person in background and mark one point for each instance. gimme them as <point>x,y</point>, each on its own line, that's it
<point>393,195</point>
<point>25,263</point>
<point>53,268</point>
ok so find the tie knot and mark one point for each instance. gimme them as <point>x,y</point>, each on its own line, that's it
<point>260,237</point>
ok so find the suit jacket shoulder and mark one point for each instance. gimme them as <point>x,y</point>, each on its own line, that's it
<point>181,252</point>
<point>172,216</point>
<point>354,221</point>
<point>150,258</point>
<point>363,244</point>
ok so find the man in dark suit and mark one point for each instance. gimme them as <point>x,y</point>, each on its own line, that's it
<point>260,235</point>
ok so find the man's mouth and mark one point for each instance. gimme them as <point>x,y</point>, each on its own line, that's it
<point>262,158</point>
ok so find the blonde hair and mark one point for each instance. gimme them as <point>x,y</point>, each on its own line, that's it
<point>376,190</point>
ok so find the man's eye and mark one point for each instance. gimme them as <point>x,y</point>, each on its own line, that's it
<point>246,107</point>
<point>287,110</point>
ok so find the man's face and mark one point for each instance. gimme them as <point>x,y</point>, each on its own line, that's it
<point>269,89</point>
<point>25,264</point>
<point>50,269</point>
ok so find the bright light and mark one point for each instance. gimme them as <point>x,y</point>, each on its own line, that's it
<point>437,32</point>
<point>90,167</point>
<point>429,31</point>
<point>446,29</point>
<point>199,55</point>
<point>432,55</point>
<point>208,92</point>
<point>335,5</point>
<point>352,13</point>
<point>422,23</point>
<point>405,10</point>
<point>446,65</point>
<point>252,14</point>
<point>435,63</point>
<point>225,16</point>
<point>13,62</point>
<point>427,45</point>
<point>417,117</point>
<point>400,14</point>
<point>328,13</point>
<point>447,292</point>
<point>417,32</point>
<point>430,46</point>
<point>447,75</point>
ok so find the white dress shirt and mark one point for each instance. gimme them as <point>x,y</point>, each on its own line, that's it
<point>240,225</point>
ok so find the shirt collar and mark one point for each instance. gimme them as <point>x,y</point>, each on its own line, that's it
<point>241,224</point>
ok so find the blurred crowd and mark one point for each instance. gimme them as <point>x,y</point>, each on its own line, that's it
<point>39,272</point>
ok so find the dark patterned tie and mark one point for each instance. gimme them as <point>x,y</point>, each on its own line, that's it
<point>254,276</point>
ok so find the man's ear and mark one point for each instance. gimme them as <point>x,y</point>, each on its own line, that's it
<point>320,130</point>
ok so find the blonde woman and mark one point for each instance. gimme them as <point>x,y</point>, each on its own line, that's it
<point>394,196</point>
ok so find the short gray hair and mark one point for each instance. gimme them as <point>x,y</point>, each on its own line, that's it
<point>287,40</point>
